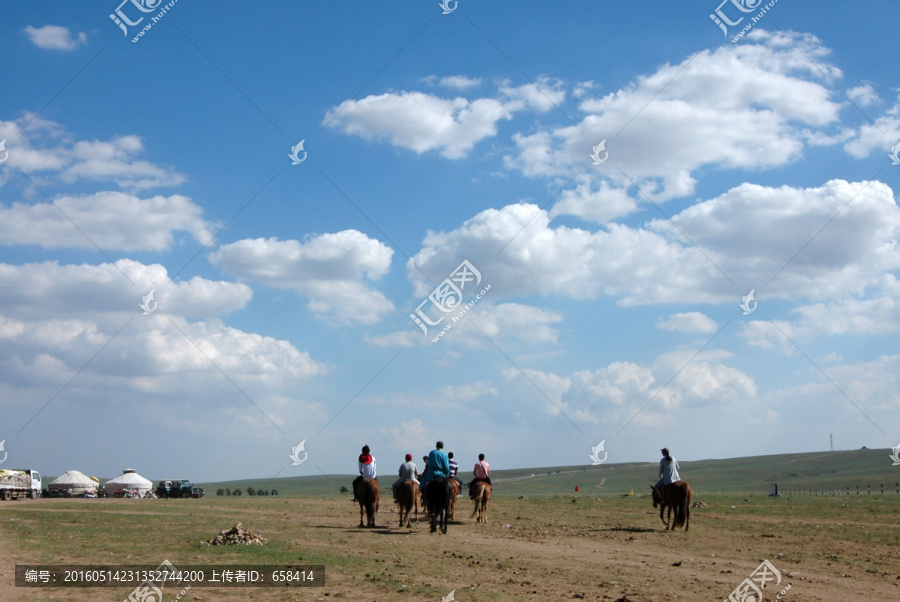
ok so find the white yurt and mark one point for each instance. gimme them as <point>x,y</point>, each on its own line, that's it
<point>75,483</point>
<point>129,480</point>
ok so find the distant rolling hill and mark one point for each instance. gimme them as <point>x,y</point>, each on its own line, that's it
<point>809,471</point>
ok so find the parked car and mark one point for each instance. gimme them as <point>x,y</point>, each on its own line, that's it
<point>179,488</point>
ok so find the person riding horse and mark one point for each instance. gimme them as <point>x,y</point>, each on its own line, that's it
<point>454,469</point>
<point>366,469</point>
<point>482,473</point>
<point>668,471</point>
<point>438,465</point>
<point>407,472</point>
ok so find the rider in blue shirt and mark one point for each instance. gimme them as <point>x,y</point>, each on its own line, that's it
<point>438,465</point>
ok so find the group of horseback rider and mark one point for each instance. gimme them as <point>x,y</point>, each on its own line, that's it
<point>438,463</point>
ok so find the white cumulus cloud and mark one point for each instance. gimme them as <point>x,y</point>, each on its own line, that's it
<point>329,269</point>
<point>55,37</point>
<point>109,220</point>
<point>738,106</point>
<point>692,321</point>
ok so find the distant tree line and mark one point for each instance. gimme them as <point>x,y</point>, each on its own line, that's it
<point>250,491</point>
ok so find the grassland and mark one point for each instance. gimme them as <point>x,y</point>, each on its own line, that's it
<point>542,540</point>
<point>817,471</point>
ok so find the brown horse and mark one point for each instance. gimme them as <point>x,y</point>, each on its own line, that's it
<point>454,491</point>
<point>675,496</point>
<point>482,492</point>
<point>407,497</point>
<point>367,496</point>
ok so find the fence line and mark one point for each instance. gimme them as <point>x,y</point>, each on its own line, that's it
<point>866,489</point>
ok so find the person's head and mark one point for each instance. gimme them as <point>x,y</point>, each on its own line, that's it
<point>439,445</point>
<point>665,452</point>
<point>450,455</point>
<point>481,457</point>
<point>425,459</point>
<point>365,449</point>
<point>409,457</point>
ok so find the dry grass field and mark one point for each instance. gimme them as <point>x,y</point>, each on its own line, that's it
<point>539,547</point>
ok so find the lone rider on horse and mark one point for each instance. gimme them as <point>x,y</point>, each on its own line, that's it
<point>668,471</point>
<point>482,472</point>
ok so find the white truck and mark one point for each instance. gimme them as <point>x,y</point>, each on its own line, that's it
<point>15,484</point>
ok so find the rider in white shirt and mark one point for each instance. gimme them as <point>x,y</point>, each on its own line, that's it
<point>668,470</point>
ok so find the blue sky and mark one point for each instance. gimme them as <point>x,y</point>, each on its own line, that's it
<point>283,293</point>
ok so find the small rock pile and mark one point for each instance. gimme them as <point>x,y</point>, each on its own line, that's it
<point>698,504</point>
<point>237,535</point>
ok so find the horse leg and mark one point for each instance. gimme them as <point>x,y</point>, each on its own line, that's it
<point>362,510</point>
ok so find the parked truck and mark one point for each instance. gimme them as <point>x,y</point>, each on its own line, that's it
<point>179,488</point>
<point>15,484</point>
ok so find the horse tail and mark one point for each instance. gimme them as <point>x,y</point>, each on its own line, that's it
<point>371,502</point>
<point>682,509</point>
<point>478,500</point>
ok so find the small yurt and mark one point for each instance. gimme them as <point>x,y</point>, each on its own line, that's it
<point>128,480</point>
<point>75,483</point>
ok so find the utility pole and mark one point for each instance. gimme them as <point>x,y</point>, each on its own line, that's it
<point>831,441</point>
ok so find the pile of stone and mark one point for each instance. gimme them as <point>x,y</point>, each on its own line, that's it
<point>237,535</point>
<point>698,504</point>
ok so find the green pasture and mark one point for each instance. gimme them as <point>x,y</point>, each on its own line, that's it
<point>810,472</point>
